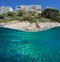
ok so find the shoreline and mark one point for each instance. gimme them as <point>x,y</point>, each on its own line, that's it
<point>27,26</point>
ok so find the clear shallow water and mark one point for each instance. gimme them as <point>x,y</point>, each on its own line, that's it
<point>20,46</point>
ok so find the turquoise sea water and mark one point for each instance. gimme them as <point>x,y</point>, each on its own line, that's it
<point>21,46</point>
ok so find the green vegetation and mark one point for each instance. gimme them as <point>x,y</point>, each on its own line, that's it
<point>29,18</point>
<point>49,14</point>
<point>20,13</point>
<point>1,16</point>
<point>11,14</point>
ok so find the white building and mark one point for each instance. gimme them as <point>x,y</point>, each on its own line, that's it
<point>36,8</point>
<point>33,8</point>
<point>5,9</point>
<point>22,7</point>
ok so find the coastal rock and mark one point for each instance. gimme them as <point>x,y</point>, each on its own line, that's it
<point>27,26</point>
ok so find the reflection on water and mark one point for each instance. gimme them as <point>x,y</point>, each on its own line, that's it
<point>20,46</point>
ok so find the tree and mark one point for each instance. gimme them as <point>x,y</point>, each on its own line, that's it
<point>50,13</point>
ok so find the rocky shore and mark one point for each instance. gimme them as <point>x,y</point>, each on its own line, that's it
<point>27,26</point>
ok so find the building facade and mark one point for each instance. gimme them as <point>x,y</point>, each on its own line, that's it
<point>5,9</point>
<point>28,8</point>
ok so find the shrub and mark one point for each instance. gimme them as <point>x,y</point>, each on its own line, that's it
<point>57,19</point>
<point>10,14</point>
<point>20,13</point>
<point>28,18</point>
<point>39,16</point>
<point>1,16</point>
<point>19,18</point>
